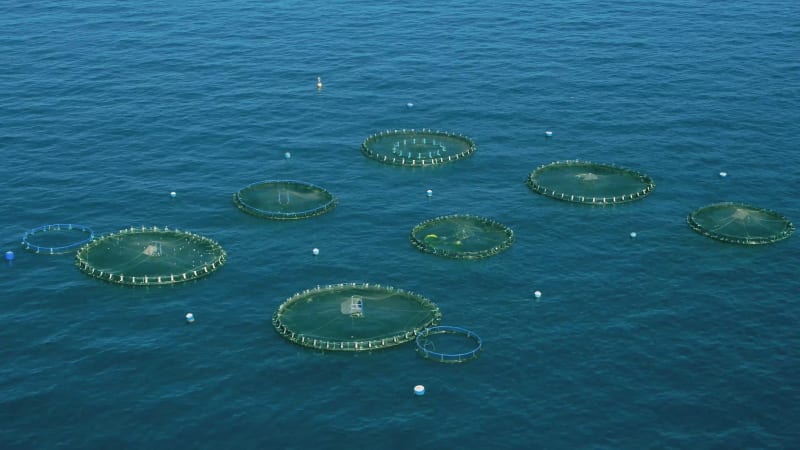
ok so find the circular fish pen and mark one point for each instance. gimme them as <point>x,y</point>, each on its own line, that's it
<point>57,238</point>
<point>739,223</point>
<point>284,200</point>
<point>462,236</point>
<point>589,183</point>
<point>150,256</point>
<point>417,148</point>
<point>354,317</point>
<point>462,345</point>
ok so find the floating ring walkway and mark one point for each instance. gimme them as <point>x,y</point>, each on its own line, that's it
<point>739,223</point>
<point>150,257</point>
<point>589,183</point>
<point>284,200</point>
<point>354,317</point>
<point>417,148</point>
<point>462,236</point>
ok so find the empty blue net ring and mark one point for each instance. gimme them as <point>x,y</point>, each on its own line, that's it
<point>417,148</point>
<point>427,347</point>
<point>739,223</point>
<point>284,200</point>
<point>49,239</point>
<point>589,183</point>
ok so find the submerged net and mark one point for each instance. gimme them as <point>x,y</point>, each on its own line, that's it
<point>150,256</point>
<point>740,224</point>
<point>57,238</point>
<point>417,148</point>
<point>448,344</point>
<point>589,183</point>
<point>284,200</point>
<point>462,236</point>
<point>354,317</point>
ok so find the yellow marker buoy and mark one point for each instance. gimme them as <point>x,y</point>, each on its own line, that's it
<point>319,83</point>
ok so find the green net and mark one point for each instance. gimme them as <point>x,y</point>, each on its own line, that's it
<point>740,224</point>
<point>589,183</point>
<point>150,256</point>
<point>284,200</point>
<point>417,148</point>
<point>462,236</point>
<point>354,317</point>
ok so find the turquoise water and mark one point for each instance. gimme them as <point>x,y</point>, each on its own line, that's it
<point>668,340</point>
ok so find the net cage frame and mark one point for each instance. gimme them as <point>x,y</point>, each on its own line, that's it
<point>425,248</point>
<point>420,160</point>
<point>649,184</point>
<point>280,215</point>
<point>27,245</point>
<point>356,345</point>
<point>422,347</point>
<point>194,273</point>
<point>784,234</point>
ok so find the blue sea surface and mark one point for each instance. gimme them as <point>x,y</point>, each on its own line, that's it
<point>670,340</point>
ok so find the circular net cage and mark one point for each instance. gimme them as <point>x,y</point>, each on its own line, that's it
<point>462,236</point>
<point>589,183</point>
<point>57,238</point>
<point>284,200</point>
<point>354,317</point>
<point>417,148</point>
<point>740,224</point>
<point>150,256</point>
<point>448,344</point>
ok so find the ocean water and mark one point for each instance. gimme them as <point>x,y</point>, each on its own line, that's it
<point>666,341</point>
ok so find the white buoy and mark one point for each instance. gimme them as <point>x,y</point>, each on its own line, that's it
<point>419,389</point>
<point>173,194</point>
<point>9,256</point>
<point>287,155</point>
<point>723,174</point>
<point>315,251</point>
<point>429,193</point>
<point>633,234</point>
<point>319,82</point>
<point>548,133</point>
<point>409,105</point>
<point>189,318</point>
<point>537,294</point>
